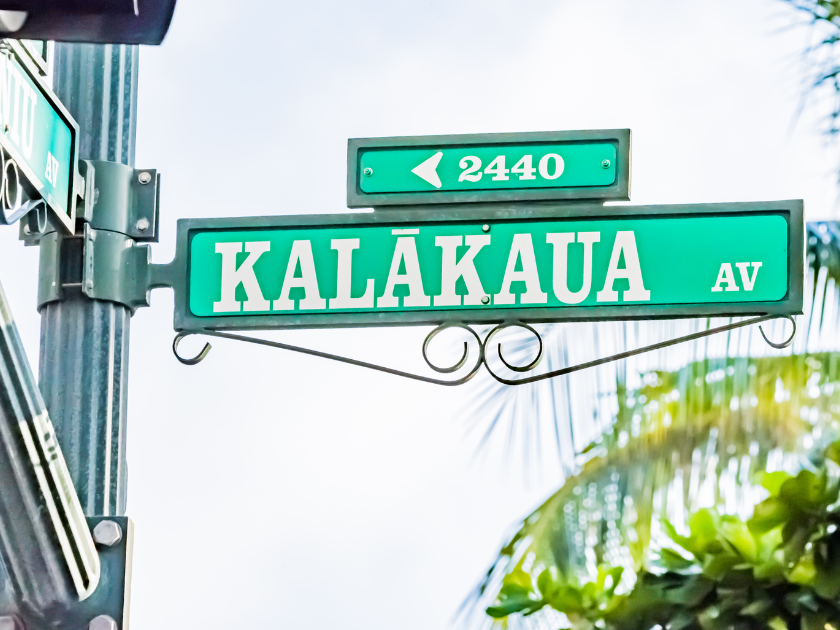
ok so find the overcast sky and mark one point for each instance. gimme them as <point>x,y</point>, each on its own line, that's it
<point>272,490</point>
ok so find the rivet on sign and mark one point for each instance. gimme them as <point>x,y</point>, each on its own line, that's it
<point>605,164</point>
<point>485,228</point>
<point>368,171</point>
<point>485,299</point>
<point>142,225</point>
<point>144,177</point>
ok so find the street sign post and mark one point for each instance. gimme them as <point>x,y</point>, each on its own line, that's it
<point>39,138</point>
<point>523,263</point>
<point>559,165</point>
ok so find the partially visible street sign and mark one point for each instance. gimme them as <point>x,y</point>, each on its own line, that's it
<point>40,137</point>
<point>533,265</point>
<point>489,167</point>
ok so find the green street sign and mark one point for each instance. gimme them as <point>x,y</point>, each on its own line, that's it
<point>533,265</point>
<point>488,167</point>
<point>40,138</point>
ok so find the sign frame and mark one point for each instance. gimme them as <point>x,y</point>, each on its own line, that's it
<point>76,183</point>
<point>618,191</point>
<point>177,273</point>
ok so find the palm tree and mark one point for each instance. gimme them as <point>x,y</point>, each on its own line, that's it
<point>657,437</point>
<point>662,435</point>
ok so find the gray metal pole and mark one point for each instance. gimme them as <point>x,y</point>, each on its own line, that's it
<point>45,543</point>
<point>84,341</point>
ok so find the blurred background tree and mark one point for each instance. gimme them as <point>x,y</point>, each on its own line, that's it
<point>646,443</point>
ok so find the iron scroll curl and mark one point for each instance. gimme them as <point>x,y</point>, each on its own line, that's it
<point>482,354</point>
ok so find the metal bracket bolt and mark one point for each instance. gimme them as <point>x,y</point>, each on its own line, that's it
<point>144,177</point>
<point>142,225</point>
<point>107,534</point>
<point>103,622</point>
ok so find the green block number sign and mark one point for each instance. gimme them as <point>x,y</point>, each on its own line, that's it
<point>491,167</point>
<point>539,270</point>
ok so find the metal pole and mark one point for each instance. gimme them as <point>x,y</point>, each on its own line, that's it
<point>45,543</point>
<point>84,341</point>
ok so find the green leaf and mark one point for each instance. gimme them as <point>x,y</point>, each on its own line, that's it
<point>512,606</point>
<point>716,566</point>
<point>827,563</point>
<point>672,561</point>
<point>777,623</point>
<point>545,583</point>
<point>773,481</point>
<point>804,572</point>
<point>615,573</point>
<point>567,599</point>
<point>740,537</point>
<point>758,608</point>
<point>805,491</point>
<point>768,515</point>
<point>703,526</point>
<point>692,593</point>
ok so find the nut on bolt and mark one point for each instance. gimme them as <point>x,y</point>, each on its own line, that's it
<point>142,225</point>
<point>102,622</point>
<point>144,177</point>
<point>107,534</point>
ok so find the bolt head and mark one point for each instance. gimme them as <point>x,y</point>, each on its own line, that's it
<point>485,299</point>
<point>102,622</point>
<point>142,225</point>
<point>368,171</point>
<point>606,164</point>
<point>107,534</point>
<point>485,228</point>
<point>144,177</point>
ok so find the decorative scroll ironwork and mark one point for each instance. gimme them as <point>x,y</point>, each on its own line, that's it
<point>482,357</point>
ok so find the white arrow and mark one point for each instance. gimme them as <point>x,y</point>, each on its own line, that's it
<point>428,170</point>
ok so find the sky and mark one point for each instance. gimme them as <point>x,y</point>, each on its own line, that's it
<point>272,490</point>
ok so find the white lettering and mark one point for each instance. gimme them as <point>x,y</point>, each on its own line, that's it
<point>342,299</point>
<point>726,275</point>
<point>244,275</point>
<point>301,252</point>
<point>521,248</point>
<point>746,280</point>
<point>625,242</point>
<point>451,270</point>
<point>405,251</point>
<point>561,243</point>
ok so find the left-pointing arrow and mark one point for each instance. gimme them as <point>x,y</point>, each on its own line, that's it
<point>428,170</point>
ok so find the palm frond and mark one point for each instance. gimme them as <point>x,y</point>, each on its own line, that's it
<point>569,413</point>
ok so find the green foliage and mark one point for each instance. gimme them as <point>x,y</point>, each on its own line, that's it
<point>779,570</point>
